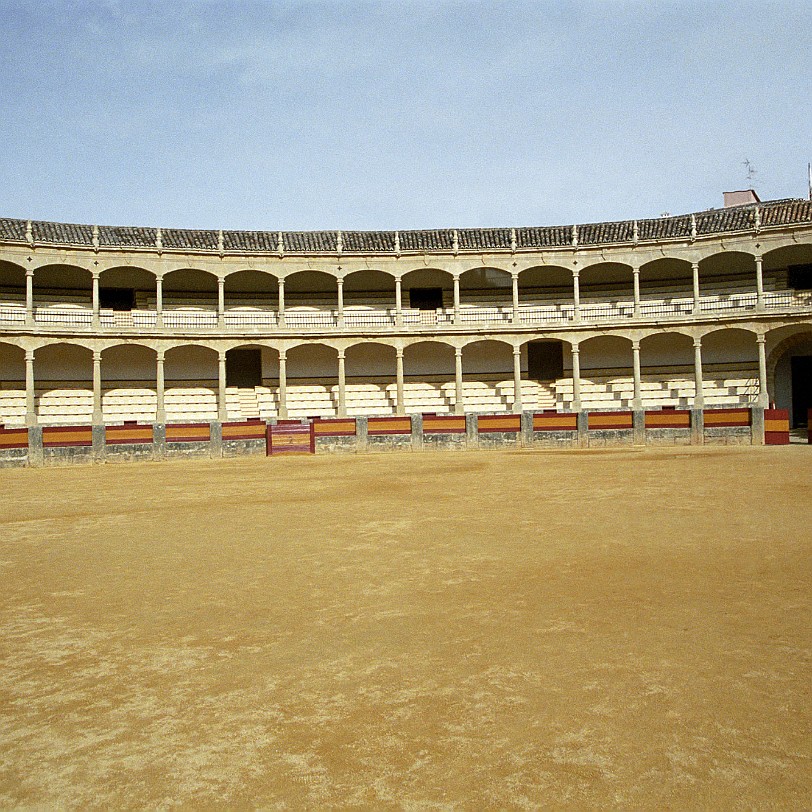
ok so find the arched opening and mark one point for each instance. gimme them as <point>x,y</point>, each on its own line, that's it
<point>546,295</point>
<point>12,385</point>
<point>727,281</point>
<point>369,299</point>
<point>312,381</point>
<point>606,292</point>
<point>666,288</point>
<point>427,294</point>
<point>127,297</point>
<point>487,377</point>
<point>730,368</point>
<point>371,386</point>
<point>128,374</point>
<point>311,299</point>
<point>63,294</point>
<point>12,292</point>
<point>787,276</point>
<point>252,382</point>
<point>667,371</point>
<point>63,379</point>
<point>191,383</point>
<point>607,381</point>
<point>429,378</point>
<point>251,299</point>
<point>486,294</point>
<point>189,298</point>
<point>789,373</point>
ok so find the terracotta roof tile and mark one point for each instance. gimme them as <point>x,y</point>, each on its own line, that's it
<point>189,238</point>
<point>376,241</point>
<point>544,237</point>
<point>433,240</point>
<point>62,233</point>
<point>479,238</point>
<point>128,236</point>
<point>12,229</point>
<point>304,242</point>
<point>267,241</point>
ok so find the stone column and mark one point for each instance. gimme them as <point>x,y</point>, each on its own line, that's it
<point>159,301</point>
<point>96,309</point>
<point>695,274</point>
<point>636,279</point>
<point>637,402</point>
<point>29,297</point>
<point>97,401</point>
<point>759,283</point>
<point>398,302</point>
<point>514,278</point>
<point>763,393</point>
<point>283,385</point>
<point>576,295</point>
<point>281,310</point>
<point>576,379</point>
<point>160,416</point>
<point>459,405</point>
<point>400,407</point>
<point>699,398</point>
<point>221,302</point>
<point>30,392</point>
<point>342,385</point>
<point>456,299</point>
<point>222,412</point>
<point>340,302</point>
<point>517,380</point>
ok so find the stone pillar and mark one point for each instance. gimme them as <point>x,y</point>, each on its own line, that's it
<point>222,412</point>
<point>280,318</point>
<point>283,386</point>
<point>96,308</point>
<point>159,441</point>
<point>342,385</point>
<point>36,452</point>
<point>160,415</point>
<point>697,427</point>
<point>97,401</point>
<point>30,399</point>
<point>98,439</point>
<point>340,302</point>
<point>636,279</point>
<point>216,439</point>
<point>398,302</point>
<point>417,432</point>
<point>763,393</point>
<point>527,429</point>
<point>759,284</point>
<point>221,302</point>
<point>159,301</point>
<point>576,295</point>
<point>400,407</point>
<point>459,405</point>
<point>471,431</point>
<point>361,436</point>
<point>699,397</point>
<point>514,278</point>
<point>695,274</point>
<point>639,427</point>
<point>456,299</point>
<point>582,422</point>
<point>517,380</point>
<point>29,297</point>
<point>637,402</point>
<point>576,379</point>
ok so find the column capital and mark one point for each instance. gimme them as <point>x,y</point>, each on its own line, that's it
<point>160,355</point>
<point>636,270</point>
<point>340,281</point>
<point>517,351</point>
<point>29,355</point>
<point>95,274</point>
<point>456,277</point>
<point>29,272</point>
<point>761,339</point>
<point>575,349</point>
<point>221,356</point>
<point>697,343</point>
<point>576,272</point>
<point>458,352</point>
<point>281,281</point>
<point>694,266</point>
<point>96,357</point>
<point>221,281</point>
<point>636,346</point>
<point>283,356</point>
<point>757,257</point>
<point>514,275</point>
<point>398,352</point>
<point>342,354</point>
<point>159,277</point>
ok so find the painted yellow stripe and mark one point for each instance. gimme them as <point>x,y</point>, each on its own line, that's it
<point>667,420</point>
<point>553,421</point>
<point>440,424</point>
<point>332,428</point>
<point>614,420</point>
<point>776,425</point>
<point>499,422</point>
<point>113,433</point>
<point>250,431</point>
<point>727,418</point>
<point>66,436</point>
<point>196,434</point>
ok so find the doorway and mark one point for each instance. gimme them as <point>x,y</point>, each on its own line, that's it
<point>244,368</point>
<point>426,298</point>
<point>545,361</point>
<point>801,372</point>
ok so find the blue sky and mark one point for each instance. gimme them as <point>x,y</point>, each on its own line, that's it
<point>353,115</point>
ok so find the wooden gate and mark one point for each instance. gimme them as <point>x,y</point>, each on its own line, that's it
<point>291,438</point>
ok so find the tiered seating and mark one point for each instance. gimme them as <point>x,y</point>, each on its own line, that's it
<point>370,398</point>
<point>129,403</point>
<point>310,398</point>
<point>12,406</point>
<point>64,405</point>
<point>190,403</point>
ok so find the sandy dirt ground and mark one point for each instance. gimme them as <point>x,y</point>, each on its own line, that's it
<point>431,631</point>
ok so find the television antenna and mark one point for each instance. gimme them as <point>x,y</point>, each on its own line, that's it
<point>750,171</point>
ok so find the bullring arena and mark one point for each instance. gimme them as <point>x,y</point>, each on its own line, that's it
<point>601,599</point>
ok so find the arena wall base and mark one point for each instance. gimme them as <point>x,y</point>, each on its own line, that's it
<point>555,439</point>
<point>665,437</point>
<point>188,450</point>
<point>728,435</point>
<point>604,438</point>
<point>337,445</point>
<point>389,442</point>
<point>129,452</point>
<point>241,448</point>
<point>14,458</point>
<point>68,455</point>
<point>445,442</point>
<point>500,439</point>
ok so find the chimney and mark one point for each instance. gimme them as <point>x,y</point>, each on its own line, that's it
<point>744,197</point>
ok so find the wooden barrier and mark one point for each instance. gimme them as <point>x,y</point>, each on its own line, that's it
<point>776,427</point>
<point>253,429</point>
<point>129,434</point>
<point>668,419</point>
<point>497,423</point>
<point>380,426</point>
<point>67,436</point>
<point>188,433</point>
<point>334,427</point>
<point>726,418</point>
<point>443,424</point>
<point>546,421</point>
<point>290,438</point>
<point>13,438</point>
<point>610,420</point>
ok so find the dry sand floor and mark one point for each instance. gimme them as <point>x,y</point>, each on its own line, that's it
<point>469,630</point>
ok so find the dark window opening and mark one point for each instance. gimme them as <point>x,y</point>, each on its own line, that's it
<point>244,368</point>
<point>426,298</point>
<point>801,390</point>
<point>545,360</point>
<point>117,298</point>
<point>800,276</point>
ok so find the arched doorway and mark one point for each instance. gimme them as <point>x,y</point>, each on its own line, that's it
<point>790,373</point>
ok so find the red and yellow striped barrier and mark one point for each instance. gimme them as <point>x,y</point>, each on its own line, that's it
<point>610,420</point>
<point>128,434</point>
<point>726,418</point>
<point>13,438</point>
<point>188,433</point>
<point>494,423</point>
<point>555,422</point>
<point>334,427</point>
<point>669,419</point>
<point>776,427</point>
<point>244,430</point>
<point>378,426</point>
<point>291,438</point>
<point>443,424</point>
<point>66,436</point>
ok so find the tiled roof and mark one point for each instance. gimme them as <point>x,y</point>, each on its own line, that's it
<point>737,218</point>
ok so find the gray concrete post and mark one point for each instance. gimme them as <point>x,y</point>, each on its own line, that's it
<point>527,429</point>
<point>639,427</point>
<point>99,443</point>
<point>583,429</point>
<point>471,431</point>
<point>215,439</point>
<point>159,441</point>
<point>417,432</point>
<point>757,425</point>
<point>697,427</point>
<point>36,454</point>
<point>361,426</point>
